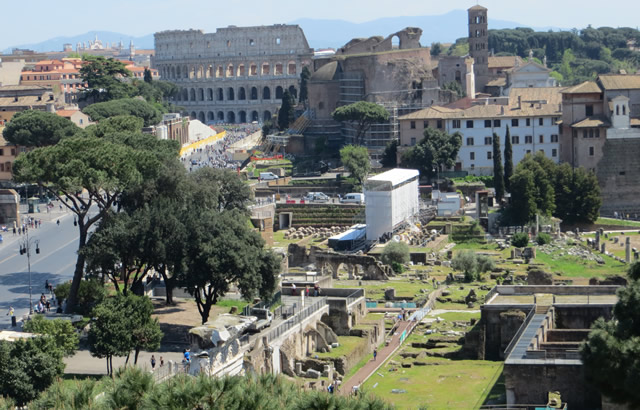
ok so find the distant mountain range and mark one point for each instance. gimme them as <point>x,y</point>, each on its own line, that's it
<point>444,28</point>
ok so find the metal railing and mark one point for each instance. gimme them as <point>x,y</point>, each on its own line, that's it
<point>355,296</point>
<point>296,319</point>
<point>519,333</point>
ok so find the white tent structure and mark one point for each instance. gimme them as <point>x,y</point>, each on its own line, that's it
<point>390,199</point>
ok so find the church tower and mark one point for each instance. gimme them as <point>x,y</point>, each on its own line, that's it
<point>479,45</point>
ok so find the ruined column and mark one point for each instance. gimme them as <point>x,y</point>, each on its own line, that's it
<point>597,242</point>
<point>627,250</point>
<point>603,247</point>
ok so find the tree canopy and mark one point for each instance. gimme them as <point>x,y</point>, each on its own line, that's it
<point>508,161</point>
<point>62,332</point>
<point>361,115</point>
<point>287,111</point>
<point>498,172</point>
<point>103,77</point>
<point>437,149</point>
<point>305,75</point>
<point>611,354</point>
<point>356,160</point>
<point>390,155</point>
<point>38,128</point>
<point>126,106</point>
<point>119,123</point>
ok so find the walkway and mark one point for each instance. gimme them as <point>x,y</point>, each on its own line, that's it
<point>370,367</point>
<point>520,349</point>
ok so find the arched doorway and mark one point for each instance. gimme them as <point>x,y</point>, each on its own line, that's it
<point>254,93</point>
<point>279,93</point>
<point>220,116</point>
<point>201,117</point>
<point>230,94</point>
<point>220,94</point>
<point>266,116</point>
<point>192,95</point>
<point>242,117</point>
<point>210,94</point>
<point>266,93</point>
<point>242,95</point>
<point>255,116</point>
<point>231,117</point>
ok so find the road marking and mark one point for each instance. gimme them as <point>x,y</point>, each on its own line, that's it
<point>7,258</point>
<point>59,271</point>
<point>44,257</point>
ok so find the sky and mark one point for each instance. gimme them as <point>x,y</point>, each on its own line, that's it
<point>45,19</point>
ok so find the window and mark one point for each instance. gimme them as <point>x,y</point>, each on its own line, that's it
<point>528,151</point>
<point>496,123</point>
<point>1,152</point>
<point>413,141</point>
<point>541,140</point>
<point>554,138</point>
<point>588,110</point>
<point>591,151</point>
<point>591,133</point>
<point>456,124</point>
<point>515,139</point>
<point>540,121</point>
<point>514,122</point>
<point>528,122</point>
<point>489,154</point>
<point>597,132</point>
<point>528,139</point>
<point>585,134</point>
<point>469,123</point>
<point>425,124</point>
<point>278,40</point>
<point>469,141</point>
<point>439,124</point>
<point>554,152</point>
<point>487,123</point>
<point>488,140</point>
<point>472,156</point>
<point>412,124</point>
<point>472,166</point>
<point>13,152</point>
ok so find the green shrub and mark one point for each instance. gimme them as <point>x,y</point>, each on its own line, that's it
<point>466,262</point>
<point>543,238</point>
<point>90,293</point>
<point>395,252</point>
<point>485,263</point>
<point>520,240</point>
<point>397,267</point>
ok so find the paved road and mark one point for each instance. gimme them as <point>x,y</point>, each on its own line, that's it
<point>56,261</point>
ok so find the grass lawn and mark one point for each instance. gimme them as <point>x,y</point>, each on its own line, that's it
<point>279,241</point>
<point>459,316</point>
<point>229,303</point>
<point>452,384</point>
<point>374,289</point>
<point>347,345</point>
<point>573,266</point>
<point>618,222</point>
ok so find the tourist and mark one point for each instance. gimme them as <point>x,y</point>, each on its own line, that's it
<point>153,362</point>
<point>375,354</point>
<point>187,356</point>
<point>161,361</point>
<point>316,289</point>
<point>293,289</point>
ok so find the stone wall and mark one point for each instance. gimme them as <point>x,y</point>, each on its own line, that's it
<point>618,173</point>
<point>500,326</point>
<point>580,316</point>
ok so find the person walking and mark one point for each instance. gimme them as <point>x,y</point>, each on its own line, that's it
<point>153,362</point>
<point>375,354</point>
<point>161,361</point>
<point>11,312</point>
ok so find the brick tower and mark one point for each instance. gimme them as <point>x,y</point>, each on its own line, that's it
<point>479,45</point>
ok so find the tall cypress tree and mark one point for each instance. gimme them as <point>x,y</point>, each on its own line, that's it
<point>498,172</point>
<point>286,112</point>
<point>508,161</point>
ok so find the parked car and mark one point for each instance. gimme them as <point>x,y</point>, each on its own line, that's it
<point>264,316</point>
<point>268,176</point>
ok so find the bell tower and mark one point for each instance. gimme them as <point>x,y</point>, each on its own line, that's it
<point>479,44</point>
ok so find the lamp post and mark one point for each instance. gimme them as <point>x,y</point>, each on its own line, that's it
<point>25,247</point>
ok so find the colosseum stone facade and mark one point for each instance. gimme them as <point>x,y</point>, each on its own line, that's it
<point>235,75</point>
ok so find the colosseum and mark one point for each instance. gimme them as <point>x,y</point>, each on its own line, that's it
<point>235,75</point>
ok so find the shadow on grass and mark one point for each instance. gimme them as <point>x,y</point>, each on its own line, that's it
<point>497,394</point>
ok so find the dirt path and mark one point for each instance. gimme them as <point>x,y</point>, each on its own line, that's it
<point>385,353</point>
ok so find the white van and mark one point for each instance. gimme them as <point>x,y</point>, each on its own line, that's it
<point>268,176</point>
<point>316,197</point>
<point>353,198</point>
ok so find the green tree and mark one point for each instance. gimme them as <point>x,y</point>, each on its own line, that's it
<point>305,75</point>
<point>498,173</point>
<point>286,112</point>
<point>122,324</point>
<point>356,160</point>
<point>454,86</point>
<point>436,49</point>
<point>466,262</point>
<point>508,161</point>
<point>267,128</point>
<point>28,367</point>
<point>611,354</point>
<point>520,240</point>
<point>395,253</point>
<point>38,128</point>
<point>91,172</point>
<point>361,115</point>
<point>436,150</point>
<point>119,123</point>
<point>390,155</point>
<point>147,76</point>
<point>103,77</point>
<point>126,106</point>
<point>577,194</point>
<point>522,207</point>
<point>62,331</point>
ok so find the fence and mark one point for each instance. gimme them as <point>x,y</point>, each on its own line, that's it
<point>355,296</point>
<point>169,370</point>
<point>519,333</point>
<point>296,319</point>
<point>263,304</point>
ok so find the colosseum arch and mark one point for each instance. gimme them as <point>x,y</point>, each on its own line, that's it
<point>193,115</point>
<point>209,94</point>
<point>278,70</point>
<point>293,91</point>
<point>255,116</point>
<point>279,93</point>
<point>253,69</point>
<point>241,72</point>
<point>266,69</point>
<point>291,68</point>
<point>220,96</point>
<point>266,116</point>
<point>185,71</point>
<point>254,93</point>
<point>200,94</point>
<point>177,72</point>
<point>201,116</point>
<point>219,72</point>
<point>220,116</point>
<point>242,95</point>
<point>230,70</point>
<point>209,73</point>
<point>231,117</point>
<point>266,93</point>
<point>192,94</point>
<point>192,72</point>
<point>242,117</point>
<point>211,116</point>
<point>185,94</point>
<point>173,72</point>
<point>200,72</point>
<point>230,94</point>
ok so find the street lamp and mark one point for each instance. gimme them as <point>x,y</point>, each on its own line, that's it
<point>25,247</point>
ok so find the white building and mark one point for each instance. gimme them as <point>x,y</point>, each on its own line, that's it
<point>532,115</point>
<point>390,199</point>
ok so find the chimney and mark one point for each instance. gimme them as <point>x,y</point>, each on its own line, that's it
<point>502,110</point>
<point>51,108</point>
<point>519,102</point>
